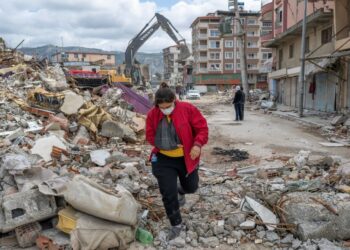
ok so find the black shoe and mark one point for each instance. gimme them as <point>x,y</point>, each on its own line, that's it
<point>174,232</point>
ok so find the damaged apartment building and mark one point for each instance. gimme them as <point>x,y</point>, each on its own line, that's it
<point>216,54</point>
<point>326,85</point>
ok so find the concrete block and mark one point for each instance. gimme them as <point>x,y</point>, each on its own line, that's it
<point>314,220</point>
<point>26,235</point>
<point>338,120</point>
<point>25,207</point>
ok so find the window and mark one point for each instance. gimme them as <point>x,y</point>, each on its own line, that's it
<point>251,21</point>
<point>109,57</point>
<point>280,58</point>
<point>242,21</point>
<point>280,16</point>
<point>252,44</point>
<point>228,55</point>
<point>214,66</point>
<point>291,51</point>
<point>266,55</point>
<point>252,56</point>
<point>251,66</point>
<point>215,56</point>
<point>250,76</point>
<point>238,56</point>
<point>250,33</point>
<point>307,44</point>
<point>228,66</point>
<point>326,35</point>
<point>84,55</point>
<point>238,66</point>
<point>214,44</point>
<point>214,33</point>
<point>228,44</point>
<point>76,55</point>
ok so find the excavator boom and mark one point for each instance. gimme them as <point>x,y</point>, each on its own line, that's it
<point>143,36</point>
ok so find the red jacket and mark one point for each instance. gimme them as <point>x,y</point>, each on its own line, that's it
<point>190,126</point>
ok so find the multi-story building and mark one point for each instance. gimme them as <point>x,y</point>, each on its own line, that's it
<point>321,85</point>
<point>342,44</point>
<point>81,58</point>
<point>173,68</point>
<point>216,56</point>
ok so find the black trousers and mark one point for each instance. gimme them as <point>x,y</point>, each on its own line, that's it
<point>238,110</point>
<point>167,170</point>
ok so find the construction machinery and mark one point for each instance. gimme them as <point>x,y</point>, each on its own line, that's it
<point>132,69</point>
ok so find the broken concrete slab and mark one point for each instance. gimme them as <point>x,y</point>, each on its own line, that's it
<point>301,158</point>
<point>319,161</point>
<point>347,123</point>
<point>99,156</point>
<point>72,103</point>
<point>331,144</point>
<point>43,146</point>
<point>115,129</point>
<point>339,120</point>
<point>26,207</point>
<point>265,214</point>
<point>16,163</point>
<point>314,220</point>
<point>15,134</point>
<point>82,137</point>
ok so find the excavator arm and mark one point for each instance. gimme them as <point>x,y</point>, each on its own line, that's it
<point>143,36</point>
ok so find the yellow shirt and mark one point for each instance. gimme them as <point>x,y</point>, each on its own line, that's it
<point>178,152</point>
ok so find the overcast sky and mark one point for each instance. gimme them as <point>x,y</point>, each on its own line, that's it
<point>104,24</point>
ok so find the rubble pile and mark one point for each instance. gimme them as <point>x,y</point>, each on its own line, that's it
<point>72,162</point>
<point>302,203</point>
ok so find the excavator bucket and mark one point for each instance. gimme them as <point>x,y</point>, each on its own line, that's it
<point>184,52</point>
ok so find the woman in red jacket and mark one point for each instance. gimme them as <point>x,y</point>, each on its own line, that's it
<point>177,130</point>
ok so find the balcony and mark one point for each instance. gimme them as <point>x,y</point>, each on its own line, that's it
<point>266,37</point>
<point>203,47</point>
<point>214,70</point>
<point>203,58</point>
<point>202,36</point>
<point>203,70</point>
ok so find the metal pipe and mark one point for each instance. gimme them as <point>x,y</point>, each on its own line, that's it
<point>302,58</point>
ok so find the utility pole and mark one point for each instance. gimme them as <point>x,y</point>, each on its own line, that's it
<point>302,69</point>
<point>241,38</point>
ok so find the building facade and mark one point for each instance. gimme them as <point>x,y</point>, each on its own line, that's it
<point>342,45</point>
<point>216,56</point>
<point>80,58</point>
<point>173,68</point>
<point>321,90</point>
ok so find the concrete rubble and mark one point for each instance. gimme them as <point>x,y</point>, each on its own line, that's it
<point>74,161</point>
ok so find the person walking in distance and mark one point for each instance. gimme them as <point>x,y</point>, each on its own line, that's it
<point>242,104</point>
<point>178,131</point>
<point>237,101</point>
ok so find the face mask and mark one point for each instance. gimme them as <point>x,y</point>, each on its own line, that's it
<point>168,111</point>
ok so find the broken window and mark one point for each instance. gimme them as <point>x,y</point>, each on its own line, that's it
<point>291,51</point>
<point>326,35</point>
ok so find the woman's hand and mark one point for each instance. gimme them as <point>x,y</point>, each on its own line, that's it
<point>195,152</point>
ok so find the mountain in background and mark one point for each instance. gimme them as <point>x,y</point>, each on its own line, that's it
<point>155,60</point>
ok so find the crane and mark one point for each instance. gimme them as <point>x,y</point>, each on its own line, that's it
<point>131,70</point>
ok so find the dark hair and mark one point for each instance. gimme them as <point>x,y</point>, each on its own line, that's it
<point>164,94</point>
